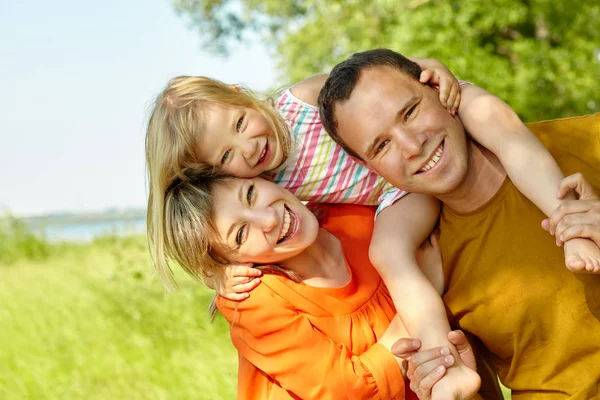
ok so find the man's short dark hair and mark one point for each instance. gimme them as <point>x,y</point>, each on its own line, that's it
<point>343,79</point>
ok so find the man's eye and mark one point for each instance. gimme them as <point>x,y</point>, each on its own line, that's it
<point>225,156</point>
<point>250,194</point>
<point>238,126</point>
<point>381,146</point>
<point>240,236</point>
<point>410,111</point>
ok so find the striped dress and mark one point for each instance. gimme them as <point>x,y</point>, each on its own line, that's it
<point>318,170</point>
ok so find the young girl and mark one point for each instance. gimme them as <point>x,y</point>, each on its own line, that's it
<point>199,123</point>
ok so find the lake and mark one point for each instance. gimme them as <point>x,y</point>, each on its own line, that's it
<point>86,231</point>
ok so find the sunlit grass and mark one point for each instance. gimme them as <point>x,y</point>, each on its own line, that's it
<point>89,322</point>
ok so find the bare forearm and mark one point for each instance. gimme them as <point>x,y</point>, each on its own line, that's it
<point>529,165</point>
<point>399,230</point>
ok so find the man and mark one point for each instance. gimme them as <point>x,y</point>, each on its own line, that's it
<point>504,278</point>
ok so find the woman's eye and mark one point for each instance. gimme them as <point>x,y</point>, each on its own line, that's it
<point>240,236</point>
<point>250,194</point>
<point>381,146</point>
<point>410,111</point>
<point>238,126</point>
<point>225,156</point>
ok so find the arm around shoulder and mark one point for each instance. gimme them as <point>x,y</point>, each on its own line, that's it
<point>308,90</point>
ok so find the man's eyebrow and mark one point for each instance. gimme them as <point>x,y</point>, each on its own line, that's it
<point>373,144</point>
<point>240,194</point>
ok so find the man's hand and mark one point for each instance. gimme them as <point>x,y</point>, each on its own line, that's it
<point>427,367</point>
<point>575,218</point>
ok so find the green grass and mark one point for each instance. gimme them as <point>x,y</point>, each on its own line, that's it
<point>90,322</point>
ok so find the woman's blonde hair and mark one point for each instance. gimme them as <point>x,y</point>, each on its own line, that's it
<point>174,126</point>
<point>191,237</point>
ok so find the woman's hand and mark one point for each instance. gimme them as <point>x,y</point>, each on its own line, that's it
<point>575,218</point>
<point>427,367</point>
<point>240,279</point>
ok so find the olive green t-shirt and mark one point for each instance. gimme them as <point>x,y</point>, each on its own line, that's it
<point>506,281</point>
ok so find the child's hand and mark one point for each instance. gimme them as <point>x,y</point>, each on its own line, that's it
<point>438,75</point>
<point>241,279</point>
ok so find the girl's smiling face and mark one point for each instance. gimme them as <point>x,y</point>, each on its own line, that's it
<point>260,222</point>
<point>238,141</point>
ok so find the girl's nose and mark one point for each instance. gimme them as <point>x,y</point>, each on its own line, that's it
<point>247,147</point>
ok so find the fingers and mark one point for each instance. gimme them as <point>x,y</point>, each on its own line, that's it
<point>240,291</point>
<point>426,75</point>
<point>577,183</point>
<point>405,347</point>
<point>427,357</point>
<point>454,98</point>
<point>580,231</point>
<point>422,387</point>
<point>581,206</point>
<point>459,340</point>
<point>245,270</point>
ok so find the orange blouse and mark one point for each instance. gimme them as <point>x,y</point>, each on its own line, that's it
<point>301,342</point>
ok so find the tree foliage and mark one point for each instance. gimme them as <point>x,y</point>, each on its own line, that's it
<point>541,56</point>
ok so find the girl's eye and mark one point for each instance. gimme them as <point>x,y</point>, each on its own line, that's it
<point>238,126</point>
<point>381,146</point>
<point>240,236</point>
<point>225,156</point>
<point>250,194</point>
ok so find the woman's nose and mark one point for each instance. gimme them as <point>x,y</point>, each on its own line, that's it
<point>266,218</point>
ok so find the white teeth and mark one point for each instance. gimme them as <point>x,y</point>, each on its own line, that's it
<point>287,223</point>
<point>262,154</point>
<point>436,157</point>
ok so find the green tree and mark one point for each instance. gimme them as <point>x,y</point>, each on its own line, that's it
<point>541,56</point>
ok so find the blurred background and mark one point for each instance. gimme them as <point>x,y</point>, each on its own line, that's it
<point>82,316</point>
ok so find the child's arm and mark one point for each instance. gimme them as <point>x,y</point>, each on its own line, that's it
<point>529,165</point>
<point>399,231</point>
<point>434,73</point>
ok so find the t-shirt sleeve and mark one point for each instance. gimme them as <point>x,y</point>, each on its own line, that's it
<point>388,198</point>
<point>280,341</point>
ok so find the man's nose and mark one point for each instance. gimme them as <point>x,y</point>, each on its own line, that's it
<point>411,143</point>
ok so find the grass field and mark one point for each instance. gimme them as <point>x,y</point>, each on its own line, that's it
<point>90,322</point>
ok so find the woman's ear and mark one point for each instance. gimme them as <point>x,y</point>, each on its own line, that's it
<point>237,89</point>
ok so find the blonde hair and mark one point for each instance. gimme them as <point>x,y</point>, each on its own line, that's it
<point>171,139</point>
<point>191,237</point>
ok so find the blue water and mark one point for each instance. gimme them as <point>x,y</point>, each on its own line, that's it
<point>85,232</point>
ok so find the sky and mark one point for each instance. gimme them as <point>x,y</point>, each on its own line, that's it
<point>76,82</point>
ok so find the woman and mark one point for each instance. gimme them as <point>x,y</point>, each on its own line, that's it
<point>321,324</point>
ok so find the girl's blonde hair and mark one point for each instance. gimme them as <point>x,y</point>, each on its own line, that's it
<point>174,127</point>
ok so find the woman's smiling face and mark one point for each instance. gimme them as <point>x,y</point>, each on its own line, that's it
<point>261,222</point>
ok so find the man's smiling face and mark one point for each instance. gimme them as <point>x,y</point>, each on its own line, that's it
<point>401,130</point>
